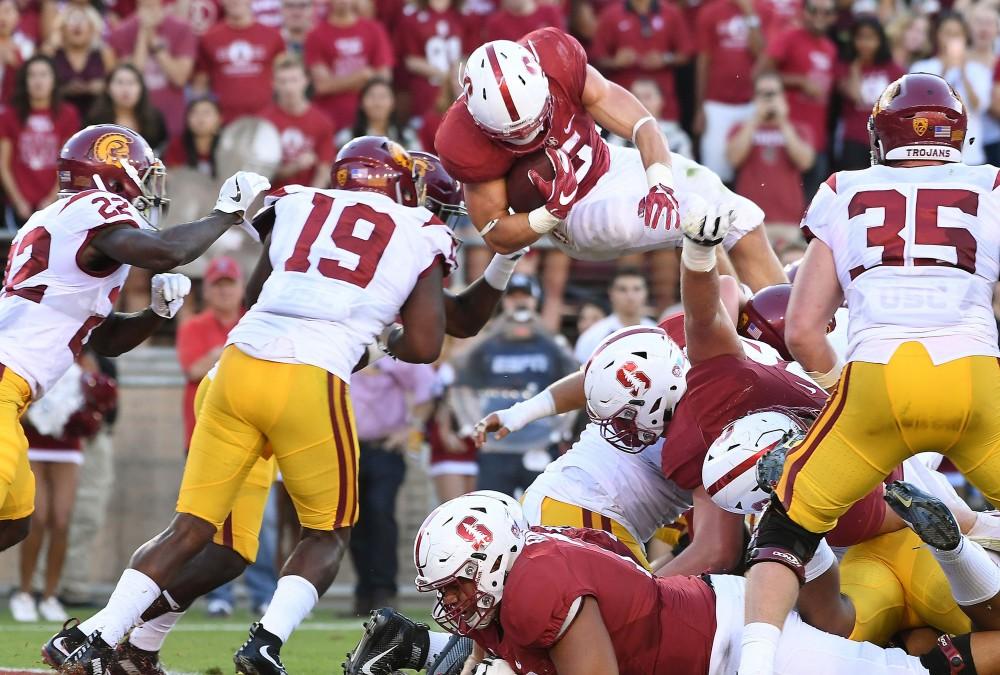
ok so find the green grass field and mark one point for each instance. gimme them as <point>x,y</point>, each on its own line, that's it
<point>202,645</point>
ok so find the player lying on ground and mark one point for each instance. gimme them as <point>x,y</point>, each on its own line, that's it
<point>65,269</point>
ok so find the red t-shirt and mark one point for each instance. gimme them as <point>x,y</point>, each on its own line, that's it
<point>435,36</point>
<point>196,337</point>
<point>35,145</point>
<point>502,25</point>
<point>239,63</point>
<point>769,178</point>
<point>8,75</point>
<point>176,157</point>
<point>311,131</point>
<point>724,37</point>
<point>663,30</point>
<point>344,50</point>
<point>801,52</point>
<point>874,80</point>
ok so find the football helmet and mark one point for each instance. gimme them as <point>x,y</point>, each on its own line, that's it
<point>633,382</point>
<point>730,469</point>
<point>919,116</point>
<point>378,164</point>
<point>507,95</point>
<point>477,537</point>
<point>115,159</point>
<point>444,194</point>
<point>763,318</point>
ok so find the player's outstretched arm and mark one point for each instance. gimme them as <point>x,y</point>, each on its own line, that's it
<point>503,232</point>
<point>560,397</point>
<point>718,542</point>
<point>419,338</point>
<point>585,648</point>
<point>467,312</point>
<point>120,333</point>
<point>816,295</point>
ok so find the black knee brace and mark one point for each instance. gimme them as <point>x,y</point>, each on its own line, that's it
<point>951,656</point>
<point>780,539</point>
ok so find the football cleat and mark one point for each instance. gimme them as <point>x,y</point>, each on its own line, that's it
<point>451,660</point>
<point>926,515</point>
<point>390,642</point>
<point>771,466</point>
<point>260,654</point>
<point>62,644</point>
<point>130,660</point>
<point>93,657</point>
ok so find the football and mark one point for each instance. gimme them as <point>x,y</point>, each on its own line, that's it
<point>521,194</point>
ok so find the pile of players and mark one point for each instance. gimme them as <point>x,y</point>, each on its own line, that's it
<point>912,242</point>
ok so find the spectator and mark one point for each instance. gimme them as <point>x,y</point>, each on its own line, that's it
<point>649,95</point>
<point>429,44</point>
<point>306,133</point>
<point>515,359</point>
<point>376,116</point>
<point>81,58</point>
<point>32,130</point>
<point>343,53</point>
<point>590,312</point>
<point>729,38</point>
<point>645,39</point>
<point>235,60</point>
<point>861,79</point>
<point>805,59</point>
<point>14,48</point>
<point>628,295</point>
<point>426,125</point>
<point>985,32</point>
<point>296,22</point>
<point>972,80</point>
<point>392,400</point>
<point>516,18</point>
<point>163,48</point>
<point>452,464</point>
<point>126,101</point>
<point>195,147</point>
<point>200,15</point>
<point>909,35</point>
<point>770,152</point>
<point>201,338</point>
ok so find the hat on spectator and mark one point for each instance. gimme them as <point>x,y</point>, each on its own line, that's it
<point>524,283</point>
<point>223,267</point>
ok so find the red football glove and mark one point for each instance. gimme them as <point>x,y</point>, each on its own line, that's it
<point>560,192</point>
<point>659,203</point>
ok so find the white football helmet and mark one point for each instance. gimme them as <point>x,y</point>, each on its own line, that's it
<point>476,536</point>
<point>507,94</point>
<point>633,382</point>
<point>730,469</point>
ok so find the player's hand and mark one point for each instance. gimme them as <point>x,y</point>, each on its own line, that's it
<point>703,223</point>
<point>239,191</point>
<point>168,292</point>
<point>494,667</point>
<point>490,423</point>
<point>659,204</point>
<point>560,192</point>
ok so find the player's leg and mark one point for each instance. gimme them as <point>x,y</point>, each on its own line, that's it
<point>62,496</point>
<point>977,452</point>
<point>17,484</point>
<point>555,513</point>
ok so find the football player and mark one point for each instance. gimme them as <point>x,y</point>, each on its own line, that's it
<point>65,269</point>
<point>912,244</point>
<point>338,266</point>
<point>540,95</point>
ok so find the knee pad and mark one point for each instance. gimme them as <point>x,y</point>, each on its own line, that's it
<point>951,656</point>
<point>780,539</point>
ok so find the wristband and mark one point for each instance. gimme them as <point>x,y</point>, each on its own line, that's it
<point>638,125</point>
<point>828,379</point>
<point>498,272</point>
<point>659,174</point>
<point>541,221</point>
<point>696,257</point>
<point>524,413</point>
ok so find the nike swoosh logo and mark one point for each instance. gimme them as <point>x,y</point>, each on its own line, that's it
<point>569,125</point>
<point>263,650</point>
<point>811,390</point>
<point>565,200</point>
<point>367,668</point>
<point>237,196</point>
<point>905,501</point>
<point>58,644</point>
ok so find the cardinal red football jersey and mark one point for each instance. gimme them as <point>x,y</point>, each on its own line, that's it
<point>657,625</point>
<point>472,157</point>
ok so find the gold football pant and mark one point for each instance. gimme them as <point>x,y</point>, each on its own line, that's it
<point>560,514</point>
<point>17,483</point>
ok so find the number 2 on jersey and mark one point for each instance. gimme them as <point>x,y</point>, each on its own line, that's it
<point>39,241</point>
<point>368,249</point>
<point>927,231</point>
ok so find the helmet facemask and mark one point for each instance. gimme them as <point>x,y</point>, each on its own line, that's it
<point>463,617</point>
<point>623,432</point>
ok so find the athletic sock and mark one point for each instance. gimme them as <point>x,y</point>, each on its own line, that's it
<point>971,573</point>
<point>150,635</point>
<point>292,601</point>
<point>760,642</point>
<point>134,593</point>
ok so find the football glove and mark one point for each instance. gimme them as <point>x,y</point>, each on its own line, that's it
<point>239,191</point>
<point>659,204</point>
<point>168,292</point>
<point>560,192</point>
<point>704,223</point>
<point>494,667</point>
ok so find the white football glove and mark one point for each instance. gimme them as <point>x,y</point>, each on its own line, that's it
<point>168,292</point>
<point>704,223</point>
<point>239,191</point>
<point>494,667</point>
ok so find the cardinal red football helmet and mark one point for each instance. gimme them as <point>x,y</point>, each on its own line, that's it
<point>763,318</point>
<point>378,164</point>
<point>919,116</point>
<point>114,158</point>
<point>444,193</point>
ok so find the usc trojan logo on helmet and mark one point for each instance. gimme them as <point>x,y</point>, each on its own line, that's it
<point>474,532</point>
<point>920,125</point>
<point>112,149</point>
<point>399,154</point>
<point>342,177</point>
<point>633,379</point>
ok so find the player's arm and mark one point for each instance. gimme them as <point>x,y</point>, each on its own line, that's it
<point>718,542</point>
<point>816,295</point>
<point>503,232</point>
<point>585,647</point>
<point>560,397</point>
<point>467,312</point>
<point>259,275</point>
<point>120,333</point>
<point>419,338</point>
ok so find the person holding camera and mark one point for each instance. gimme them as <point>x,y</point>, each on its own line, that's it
<point>770,153</point>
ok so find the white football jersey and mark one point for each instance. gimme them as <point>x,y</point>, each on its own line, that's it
<point>343,265</point>
<point>917,252</point>
<point>49,303</point>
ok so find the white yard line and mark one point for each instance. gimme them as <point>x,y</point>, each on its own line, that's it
<point>223,626</point>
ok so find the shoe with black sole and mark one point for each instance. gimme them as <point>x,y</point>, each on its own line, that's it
<point>452,659</point>
<point>260,654</point>
<point>130,660</point>
<point>58,647</point>
<point>93,657</point>
<point>390,642</point>
<point>926,515</point>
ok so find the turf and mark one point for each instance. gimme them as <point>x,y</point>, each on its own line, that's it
<point>202,645</point>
